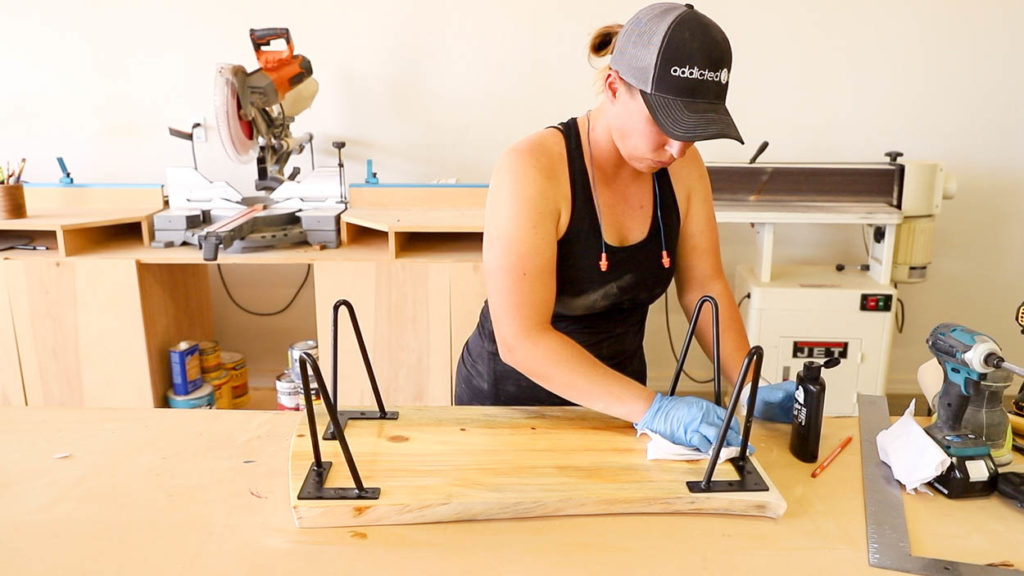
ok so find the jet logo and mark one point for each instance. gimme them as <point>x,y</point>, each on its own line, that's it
<point>820,350</point>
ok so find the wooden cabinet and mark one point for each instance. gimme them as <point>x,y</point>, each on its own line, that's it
<point>95,332</point>
<point>80,337</point>
<point>404,309</point>
<point>12,391</point>
<point>89,322</point>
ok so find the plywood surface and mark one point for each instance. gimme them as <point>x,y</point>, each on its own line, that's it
<point>403,311</point>
<point>207,492</point>
<point>71,218</point>
<point>412,220</point>
<point>476,463</point>
<point>12,391</point>
<point>80,337</point>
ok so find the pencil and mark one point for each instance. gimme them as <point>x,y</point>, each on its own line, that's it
<point>828,460</point>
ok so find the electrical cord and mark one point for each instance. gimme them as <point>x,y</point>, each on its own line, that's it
<point>901,315</point>
<point>223,282</point>
<point>740,301</point>
<point>672,345</point>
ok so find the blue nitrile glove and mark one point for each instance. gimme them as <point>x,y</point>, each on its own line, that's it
<point>688,421</point>
<point>774,401</point>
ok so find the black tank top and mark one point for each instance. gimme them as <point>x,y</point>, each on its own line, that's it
<point>604,312</point>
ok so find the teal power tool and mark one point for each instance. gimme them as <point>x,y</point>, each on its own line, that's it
<point>966,357</point>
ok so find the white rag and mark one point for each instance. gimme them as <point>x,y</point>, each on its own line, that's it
<point>910,452</point>
<point>661,449</point>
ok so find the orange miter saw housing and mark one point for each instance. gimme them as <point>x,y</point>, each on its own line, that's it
<point>254,110</point>
<point>280,70</point>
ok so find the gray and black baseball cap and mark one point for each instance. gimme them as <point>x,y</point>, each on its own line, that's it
<point>681,62</point>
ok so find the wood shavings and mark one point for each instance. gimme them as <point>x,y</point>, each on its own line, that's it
<point>61,455</point>
<point>257,494</point>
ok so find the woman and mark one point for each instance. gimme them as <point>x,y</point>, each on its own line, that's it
<point>574,257</point>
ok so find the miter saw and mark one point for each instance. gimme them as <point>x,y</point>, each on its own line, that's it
<point>254,113</point>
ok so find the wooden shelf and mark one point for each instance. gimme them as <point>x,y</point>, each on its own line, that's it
<point>410,231</point>
<point>70,233</point>
<point>74,220</point>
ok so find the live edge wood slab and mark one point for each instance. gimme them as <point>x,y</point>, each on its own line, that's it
<point>473,463</point>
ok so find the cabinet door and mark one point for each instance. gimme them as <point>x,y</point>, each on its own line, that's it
<point>403,311</point>
<point>12,391</point>
<point>80,332</point>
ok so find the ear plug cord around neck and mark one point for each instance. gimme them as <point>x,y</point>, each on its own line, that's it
<point>603,263</point>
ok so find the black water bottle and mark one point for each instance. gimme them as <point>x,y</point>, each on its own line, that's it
<point>809,410</point>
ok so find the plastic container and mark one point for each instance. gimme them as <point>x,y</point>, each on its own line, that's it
<point>986,417</point>
<point>809,410</point>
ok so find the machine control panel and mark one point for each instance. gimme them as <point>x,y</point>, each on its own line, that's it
<point>876,302</point>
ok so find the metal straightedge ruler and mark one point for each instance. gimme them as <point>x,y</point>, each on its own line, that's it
<point>888,540</point>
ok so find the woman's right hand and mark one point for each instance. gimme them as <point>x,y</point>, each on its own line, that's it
<point>688,421</point>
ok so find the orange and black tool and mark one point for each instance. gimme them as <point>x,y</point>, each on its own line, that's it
<point>285,68</point>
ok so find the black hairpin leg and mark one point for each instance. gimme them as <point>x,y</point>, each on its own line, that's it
<point>382,413</point>
<point>716,355</point>
<point>313,486</point>
<point>750,479</point>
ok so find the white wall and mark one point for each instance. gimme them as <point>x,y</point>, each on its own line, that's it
<point>436,89</point>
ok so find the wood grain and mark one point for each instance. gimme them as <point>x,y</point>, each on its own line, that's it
<point>475,463</point>
<point>403,311</point>
<point>12,391</point>
<point>79,331</point>
<point>420,198</point>
<point>147,199</point>
<point>42,295</point>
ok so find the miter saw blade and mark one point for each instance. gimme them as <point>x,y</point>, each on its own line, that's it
<point>233,123</point>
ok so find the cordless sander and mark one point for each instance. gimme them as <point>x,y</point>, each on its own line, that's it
<point>967,358</point>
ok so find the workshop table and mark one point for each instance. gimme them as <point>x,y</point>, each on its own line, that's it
<point>156,491</point>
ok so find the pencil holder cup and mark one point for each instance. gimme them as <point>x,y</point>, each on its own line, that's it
<point>12,201</point>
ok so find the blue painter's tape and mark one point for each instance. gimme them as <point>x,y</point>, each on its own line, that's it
<point>430,185</point>
<point>98,185</point>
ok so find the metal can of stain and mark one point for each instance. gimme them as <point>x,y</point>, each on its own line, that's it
<point>209,355</point>
<point>289,392</point>
<point>221,383</point>
<point>295,352</point>
<point>186,376</point>
<point>239,401</point>
<point>201,398</point>
<point>234,364</point>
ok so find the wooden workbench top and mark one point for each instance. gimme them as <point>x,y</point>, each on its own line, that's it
<point>206,492</point>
